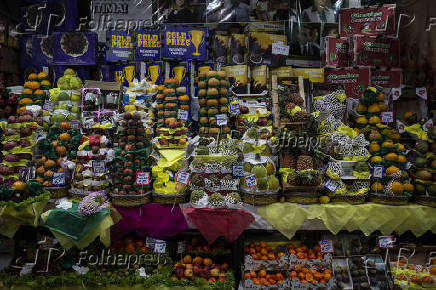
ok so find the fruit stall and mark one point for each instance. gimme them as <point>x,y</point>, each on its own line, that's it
<point>244,145</point>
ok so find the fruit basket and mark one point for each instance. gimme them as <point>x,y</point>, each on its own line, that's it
<point>259,198</point>
<point>297,196</point>
<point>127,200</point>
<point>58,191</point>
<point>388,199</point>
<point>262,256</point>
<point>350,198</point>
<point>169,198</point>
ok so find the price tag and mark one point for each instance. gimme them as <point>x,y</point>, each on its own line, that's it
<point>182,177</point>
<point>142,178</point>
<point>182,114</point>
<point>385,242</point>
<point>377,172</point>
<point>422,93</point>
<point>280,48</point>
<point>181,247</point>
<point>23,174</point>
<point>149,242</point>
<point>160,246</point>
<point>58,178</point>
<point>331,185</point>
<point>238,170</point>
<point>75,124</point>
<point>326,246</point>
<point>221,119</point>
<point>48,105</point>
<point>251,180</point>
<point>235,109</point>
<point>396,93</point>
<point>387,117</point>
<point>98,166</point>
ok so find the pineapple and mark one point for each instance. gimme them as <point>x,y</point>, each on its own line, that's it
<point>304,162</point>
<point>291,178</point>
<point>296,99</point>
<point>307,178</point>
<point>300,116</point>
<point>290,106</point>
<point>288,161</point>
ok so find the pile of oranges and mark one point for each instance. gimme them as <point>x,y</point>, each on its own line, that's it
<point>305,275</point>
<point>263,278</point>
<point>303,252</point>
<point>262,251</point>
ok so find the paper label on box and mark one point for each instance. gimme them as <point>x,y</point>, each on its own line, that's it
<point>182,177</point>
<point>181,247</point>
<point>331,185</point>
<point>396,93</point>
<point>234,109</point>
<point>149,242</point>
<point>142,178</point>
<point>221,119</point>
<point>280,48</point>
<point>238,170</point>
<point>182,114</point>
<point>377,172</point>
<point>326,246</point>
<point>48,105</point>
<point>422,93</point>
<point>75,124</point>
<point>58,178</point>
<point>387,117</point>
<point>385,242</point>
<point>251,180</point>
<point>98,166</point>
<point>160,246</point>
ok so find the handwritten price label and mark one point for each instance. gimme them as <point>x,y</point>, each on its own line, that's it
<point>251,180</point>
<point>58,178</point>
<point>385,242</point>
<point>149,242</point>
<point>160,246</point>
<point>182,114</point>
<point>280,48</point>
<point>98,166</point>
<point>221,119</point>
<point>387,117</point>
<point>422,93</point>
<point>143,178</point>
<point>331,185</point>
<point>75,124</point>
<point>182,177</point>
<point>238,170</point>
<point>377,172</point>
<point>181,247</point>
<point>235,109</point>
<point>326,246</point>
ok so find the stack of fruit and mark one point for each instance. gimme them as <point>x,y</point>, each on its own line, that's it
<point>132,155</point>
<point>424,172</point>
<point>263,256</point>
<point>172,114</point>
<point>213,99</point>
<point>253,114</point>
<point>408,276</point>
<point>34,92</point>
<point>302,171</point>
<point>317,276</point>
<point>57,148</point>
<point>18,141</point>
<point>191,268</point>
<point>66,98</point>
<point>291,105</point>
<point>252,279</point>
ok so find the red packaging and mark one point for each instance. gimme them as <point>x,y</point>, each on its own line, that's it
<point>337,52</point>
<point>376,52</point>
<point>355,81</point>
<point>367,21</point>
<point>386,78</point>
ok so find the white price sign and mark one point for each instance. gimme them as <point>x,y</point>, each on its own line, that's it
<point>181,247</point>
<point>385,242</point>
<point>160,246</point>
<point>422,93</point>
<point>280,48</point>
<point>331,185</point>
<point>326,246</point>
<point>387,117</point>
<point>142,178</point>
<point>149,242</point>
<point>377,172</point>
<point>58,178</point>
<point>221,119</point>
<point>48,105</point>
<point>396,93</point>
<point>75,124</point>
<point>98,166</point>
<point>182,177</point>
<point>238,170</point>
<point>251,180</point>
<point>182,114</point>
<point>235,109</point>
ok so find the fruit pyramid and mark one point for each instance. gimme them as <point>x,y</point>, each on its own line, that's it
<point>425,166</point>
<point>132,155</point>
<point>213,99</point>
<point>34,92</point>
<point>172,114</point>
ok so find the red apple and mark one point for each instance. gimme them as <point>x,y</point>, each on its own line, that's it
<point>222,277</point>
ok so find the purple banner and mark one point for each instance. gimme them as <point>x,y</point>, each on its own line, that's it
<point>74,48</point>
<point>120,46</point>
<point>147,44</point>
<point>184,43</point>
<point>42,51</point>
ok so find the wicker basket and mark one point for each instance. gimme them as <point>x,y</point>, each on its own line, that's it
<point>425,200</point>
<point>350,198</point>
<point>131,200</point>
<point>256,198</point>
<point>302,197</point>
<point>388,199</point>
<point>169,198</point>
<point>58,191</point>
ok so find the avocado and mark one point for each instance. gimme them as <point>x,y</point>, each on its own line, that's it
<point>421,162</point>
<point>420,189</point>
<point>431,190</point>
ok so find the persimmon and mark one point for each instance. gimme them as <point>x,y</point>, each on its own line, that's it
<point>251,245</point>
<point>303,281</point>
<point>262,273</point>
<point>322,281</point>
<point>271,282</point>
<point>263,244</point>
<point>279,276</point>
<point>264,258</point>
<point>258,249</point>
<point>299,250</point>
<point>252,251</point>
<point>316,248</point>
<point>300,255</point>
<point>263,281</point>
<point>253,274</point>
<point>280,254</point>
<point>311,256</point>
<point>247,275</point>
<point>304,247</point>
<point>293,274</point>
<point>292,252</point>
<point>327,276</point>
<point>263,251</point>
<point>301,276</point>
<point>304,270</point>
<point>290,246</point>
<point>309,277</point>
<point>297,267</point>
<point>268,248</point>
<point>327,271</point>
<point>256,281</point>
<point>130,248</point>
<point>40,179</point>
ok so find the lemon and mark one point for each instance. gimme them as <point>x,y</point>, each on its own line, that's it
<point>324,199</point>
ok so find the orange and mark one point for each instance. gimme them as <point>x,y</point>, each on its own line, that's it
<point>264,251</point>
<point>264,258</point>
<point>247,275</point>
<point>262,273</point>
<point>304,270</point>
<point>292,252</point>
<point>293,274</point>
<point>253,274</point>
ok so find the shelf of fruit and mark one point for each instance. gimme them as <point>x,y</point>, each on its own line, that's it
<point>172,115</point>
<point>34,93</point>
<point>213,99</point>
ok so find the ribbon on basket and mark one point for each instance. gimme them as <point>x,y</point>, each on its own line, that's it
<point>159,221</point>
<point>213,223</point>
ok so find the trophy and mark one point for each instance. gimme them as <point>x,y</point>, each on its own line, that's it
<point>153,73</point>
<point>196,37</point>
<point>129,73</point>
<point>179,73</point>
<point>118,76</point>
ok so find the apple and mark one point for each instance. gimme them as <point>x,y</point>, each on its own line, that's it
<point>173,278</point>
<point>222,277</point>
<point>207,261</point>
<point>187,259</point>
<point>128,147</point>
<point>206,248</point>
